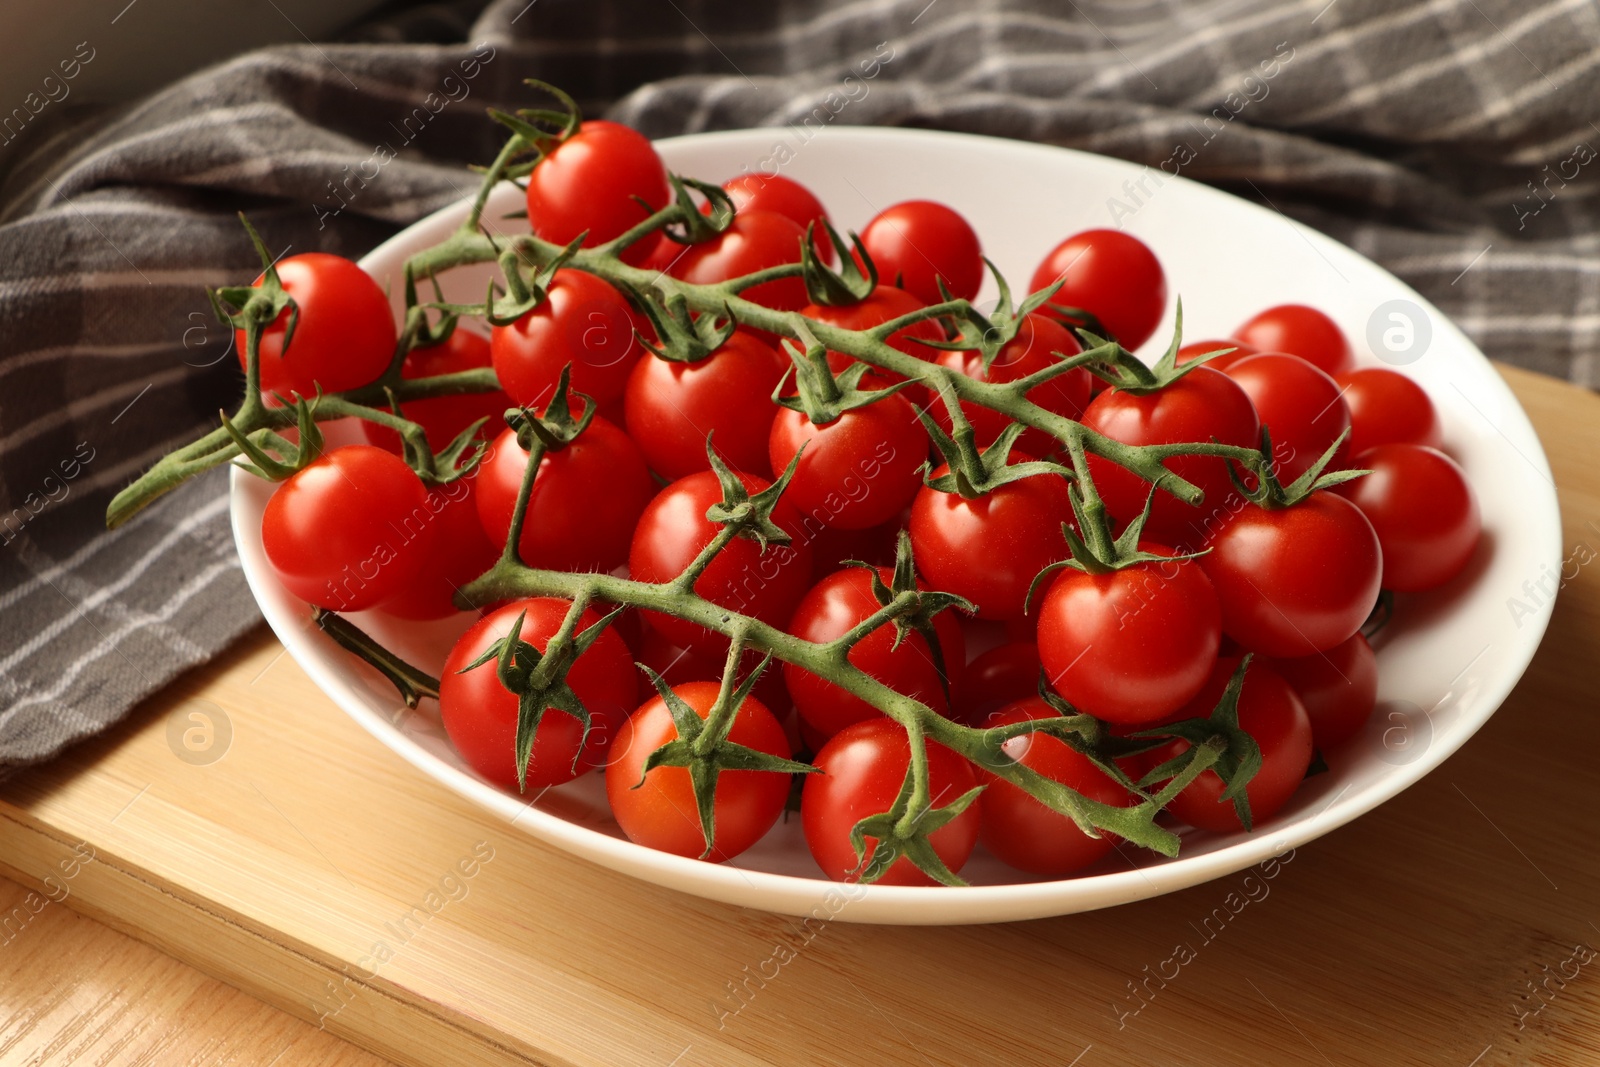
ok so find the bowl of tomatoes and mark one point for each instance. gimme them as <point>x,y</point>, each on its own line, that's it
<point>1344,365</point>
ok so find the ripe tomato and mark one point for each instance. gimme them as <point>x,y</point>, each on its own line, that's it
<point>459,553</point>
<point>480,714</point>
<point>856,472</point>
<point>348,531</point>
<point>674,528</point>
<point>783,196</point>
<point>1021,831</point>
<point>672,406</point>
<point>1203,405</point>
<point>832,546</point>
<point>882,304</point>
<point>862,768</point>
<point>990,549</point>
<point>1134,645</point>
<point>917,242</point>
<point>1387,408</point>
<point>831,609</point>
<point>1296,580</point>
<point>1298,404</point>
<point>1271,714</point>
<point>444,417</point>
<point>1003,675</point>
<point>1423,510</point>
<point>1300,331</point>
<point>344,334</point>
<point>1338,688</point>
<point>661,813</point>
<point>594,181</point>
<point>1031,351</point>
<point>1195,349</point>
<point>585,500</point>
<point>583,321</point>
<point>1113,276</point>
<point>755,240</point>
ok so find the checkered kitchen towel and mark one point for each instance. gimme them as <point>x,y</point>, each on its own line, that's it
<point>1451,140</point>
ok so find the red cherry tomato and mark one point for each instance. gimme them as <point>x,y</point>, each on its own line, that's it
<point>593,182</point>
<point>1296,580</point>
<point>1271,714</point>
<point>348,531</point>
<point>1203,405</point>
<point>862,769</point>
<point>831,609</point>
<point>1300,331</point>
<point>480,714</point>
<point>585,500</point>
<point>671,407</point>
<point>661,813</point>
<point>856,472</point>
<point>1032,350</point>
<point>443,418</point>
<point>1195,349</point>
<point>753,191</point>
<point>1387,408</point>
<point>1132,646</point>
<point>674,528</point>
<point>755,240</point>
<point>1423,510</point>
<point>1003,675</point>
<point>1298,404</point>
<point>1021,831</point>
<point>990,549</point>
<point>1111,275</point>
<point>344,333</point>
<point>584,322</point>
<point>1338,689</point>
<point>460,552</point>
<point>882,304</point>
<point>917,242</point>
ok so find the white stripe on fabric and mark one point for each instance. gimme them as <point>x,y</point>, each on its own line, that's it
<point>93,402</point>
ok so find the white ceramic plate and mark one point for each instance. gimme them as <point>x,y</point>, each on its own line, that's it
<point>1447,661</point>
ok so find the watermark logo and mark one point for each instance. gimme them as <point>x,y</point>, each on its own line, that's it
<point>1407,735</point>
<point>199,732</point>
<point>1399,332</point>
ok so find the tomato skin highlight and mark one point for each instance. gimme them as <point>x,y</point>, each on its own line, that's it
<point>586,499</point>
<point>856,472</point>
<point>1387,408</point>
<point>671,407</point>
<point>1338,688</point>
<point>583,321</point>
<point>1424,512</point>
<point>862,769</point>
<point>589,182</point>
<point>480,714</point>
<point>344,334</point>
<point>444,417</point>
<point>350,530</point>
<point>920,241</point>
<point>1132,646</point>
<point>661,813</point>
<point>1300,331</point>
<point>1112,275</point>
<point>831,609</point>
<point>1298,404</point>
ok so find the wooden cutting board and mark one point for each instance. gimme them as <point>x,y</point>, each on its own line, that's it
<point>312,868</point>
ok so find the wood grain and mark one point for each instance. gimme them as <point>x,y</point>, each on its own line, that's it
<point>1439,929</point>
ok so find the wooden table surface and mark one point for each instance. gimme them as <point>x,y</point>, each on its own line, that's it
<point>1453,926</point>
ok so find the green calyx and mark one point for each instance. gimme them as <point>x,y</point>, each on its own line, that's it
<point>527,284</point>
<point>745,514</point>
<point>906,831</point>
<point>819,393</point>
<point>1125,371</point>
<point>852,283</point>
<point>291,457</point>
<point>910,608</point>
<point>556,427</point>
<point>537,130</point>
<point>680,335</point>
<point>1272,494</point>
<point>974,471</point>
<point>1238,755</point>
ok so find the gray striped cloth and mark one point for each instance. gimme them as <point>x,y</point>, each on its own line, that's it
<point>1449,140</point>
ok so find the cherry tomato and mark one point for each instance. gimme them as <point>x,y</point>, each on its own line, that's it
<point>1003,675</point>
<point>753,191</point>
<point>348,531</point>
<point>443,418</point>
<point>480,714</point>
<point>917,242</point>
<point>1204,405</point>
<point>862,768</point>
<point>584,322</point>
<point>831,609</point>
<point>671,407</point>
<point>661,813</point>
<point>882,304</point>
<point>460,552</point>
<point>856,472</point>
<point>344,333</point>
<point>1387,408</point>
<point>1300,331</point>
<point>1111,275</point>
<point>990,549</point>
<point>1021,831</point>
<point>594,181</point>
<point>1195,349</point>
<point>1423,510</point>
<point>674,528</point>
<point>1032,350</point>
<point>755,240</point>
<point>1298,404</point>
<point>1338,689</point>
<point>585,500</point>
<point>1296,580</point>
<point>1271,714</point>
<point>1134,645</point>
